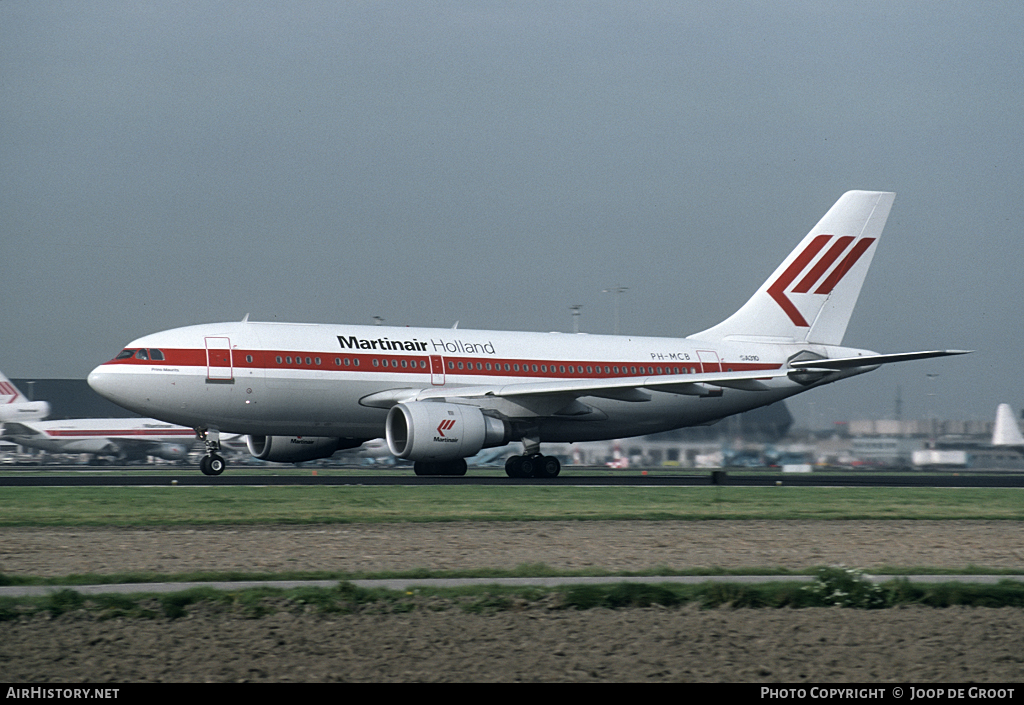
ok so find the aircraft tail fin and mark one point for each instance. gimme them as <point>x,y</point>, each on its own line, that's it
<point>1006,431</point>
<point>9,394</point>
<point>811,295</point>
<point>15,405</point>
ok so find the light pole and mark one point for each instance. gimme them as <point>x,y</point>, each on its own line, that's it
<point>932,420</point>
<point>616,290</point>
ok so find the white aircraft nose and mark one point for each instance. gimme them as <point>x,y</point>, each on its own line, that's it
<point>101,382</point>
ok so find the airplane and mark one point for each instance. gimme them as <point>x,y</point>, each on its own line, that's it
<point>125,439</point>
<point>1006,432</point>
<point>374,450</point>
<point>15,406</point>
<point>301,391</point>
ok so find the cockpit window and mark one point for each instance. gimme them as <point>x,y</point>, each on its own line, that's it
<point>141,354</point>
<point>125,354</point>
<point>155,354</point>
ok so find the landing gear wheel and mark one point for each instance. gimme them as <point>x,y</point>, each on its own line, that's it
<point>217,464</point>
<point>212,464</point>
<point>548,467</point>
<point>531,463</point>
<point>536,465</point>
<point>514,466</point>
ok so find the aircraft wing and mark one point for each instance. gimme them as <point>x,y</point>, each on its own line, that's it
<point>635,389</point>
<point>621,388</point>
<point>13,430</point>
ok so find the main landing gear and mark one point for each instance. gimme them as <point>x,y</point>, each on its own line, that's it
<point>533,465</point>
<point>211,463</point>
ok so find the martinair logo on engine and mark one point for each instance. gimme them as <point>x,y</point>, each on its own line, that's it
<point>446,425</point>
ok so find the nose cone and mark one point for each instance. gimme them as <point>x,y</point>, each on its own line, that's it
<point>109,384</point>
<point>99,381</point>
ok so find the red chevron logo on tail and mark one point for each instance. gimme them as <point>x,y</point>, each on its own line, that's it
<point>778,288</point>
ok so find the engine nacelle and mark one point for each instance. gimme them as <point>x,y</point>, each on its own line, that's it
<point>433,431</point>
<point>171,451</point>
<point>24,411</point>
<point>296,449</point>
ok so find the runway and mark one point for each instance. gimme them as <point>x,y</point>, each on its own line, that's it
<point>125,476</point>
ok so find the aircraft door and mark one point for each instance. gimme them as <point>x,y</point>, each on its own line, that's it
<point>437,370</point>
<point>709,361</point>
<point>218,360</point>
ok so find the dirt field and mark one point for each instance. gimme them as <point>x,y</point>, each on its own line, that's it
<point>536,642</point>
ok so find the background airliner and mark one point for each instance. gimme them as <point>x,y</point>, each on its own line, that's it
<point>15,406</point>
<point>304,391</point>
<point>122,439</point>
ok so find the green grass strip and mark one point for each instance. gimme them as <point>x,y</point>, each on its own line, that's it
<point>175,505</point>
<point>533,570</point>
<point>832,588</point>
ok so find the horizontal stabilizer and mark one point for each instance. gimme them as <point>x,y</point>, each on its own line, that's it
<point>846,363</point>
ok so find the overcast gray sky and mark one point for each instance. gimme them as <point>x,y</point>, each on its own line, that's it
<point>170,163</point>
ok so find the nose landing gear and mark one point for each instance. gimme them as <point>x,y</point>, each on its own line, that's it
<point>211,463</point>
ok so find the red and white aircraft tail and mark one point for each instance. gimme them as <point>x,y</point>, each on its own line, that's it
<point>811,296</point>
<point>15,406</point>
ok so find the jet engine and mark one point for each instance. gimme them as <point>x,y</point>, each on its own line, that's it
<point>434,431</point>
<point>296,449</point>
<point>171,451</point>
<point>24,411</point>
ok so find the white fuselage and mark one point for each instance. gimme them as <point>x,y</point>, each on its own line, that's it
<point>335,380</point>
<point>130,437</point>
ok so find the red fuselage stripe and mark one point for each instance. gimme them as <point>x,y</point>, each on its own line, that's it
<point>420,364</point>
<point>109,433</point>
